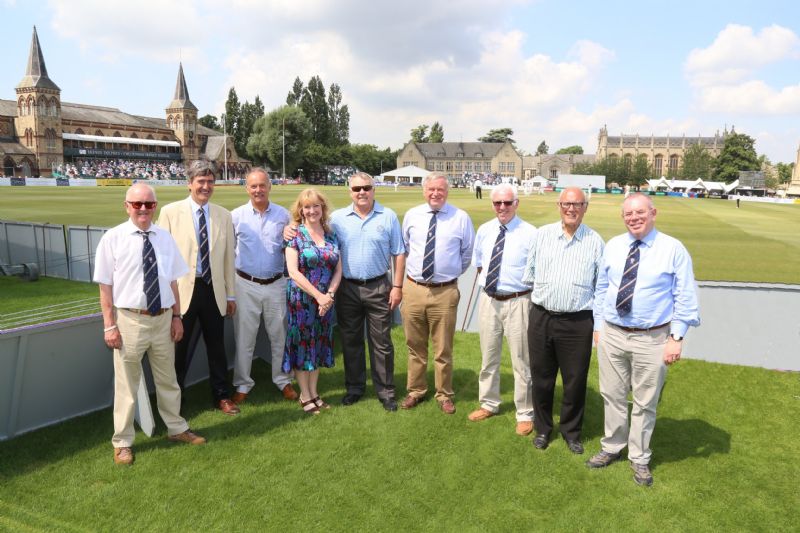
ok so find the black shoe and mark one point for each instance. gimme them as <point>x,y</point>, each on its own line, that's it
<point>541,441</point>
<point>350,399</point>
<point>390,404</point>
<point>575,446</point>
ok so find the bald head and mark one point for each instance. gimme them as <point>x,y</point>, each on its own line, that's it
<point>140,204</point>
<point>138,189</point>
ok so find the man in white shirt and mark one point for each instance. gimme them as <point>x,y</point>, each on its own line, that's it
<point>137,265</point>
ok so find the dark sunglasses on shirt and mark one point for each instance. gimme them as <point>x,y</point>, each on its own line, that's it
<point>139,205</point>
<point>359,188</point>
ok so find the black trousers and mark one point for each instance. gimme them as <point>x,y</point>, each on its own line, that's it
<point>560,342</point>
<point>354,304</point>
<point>203,309</point>
<point>478,193</point>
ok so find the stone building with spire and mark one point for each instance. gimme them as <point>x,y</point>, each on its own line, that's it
<point>39,131</point>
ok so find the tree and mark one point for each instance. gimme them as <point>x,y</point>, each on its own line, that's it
<point>266,142</point>
<point>293,98</point>
<point>738,153</point>
<point>575,149</point>
<point>315,105</point>
<point>697,163</point>
<point>232,111</point>
<point>437,133</point>
<point>248,114</point>
<point>420,134</point>
<point>499,135</point>
<point>542,149</point>
<point>339,116</point>
<point>210,121</point>
<point>641,170</point>
<point>784,172</point>
<point>370,159</point>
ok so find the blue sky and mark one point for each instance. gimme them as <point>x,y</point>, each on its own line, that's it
<point>551,70</point>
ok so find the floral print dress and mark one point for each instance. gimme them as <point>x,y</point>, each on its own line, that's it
<point>309,337</point>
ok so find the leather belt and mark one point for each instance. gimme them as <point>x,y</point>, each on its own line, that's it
<point>363,282</point>
<point>639,330</point>
<point>432,285</point>
<point>260,281</point>
<point>565,314</point>
<point>146,312</point>
<point>504,297</point>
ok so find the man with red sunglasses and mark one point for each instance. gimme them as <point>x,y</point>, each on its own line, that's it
<point>137,265</point>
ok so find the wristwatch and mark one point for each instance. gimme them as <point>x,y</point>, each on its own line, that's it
<point>675,337</point>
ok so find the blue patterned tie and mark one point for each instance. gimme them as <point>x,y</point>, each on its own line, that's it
<point>628,281</point>
<point>205,262</point>
<point>150,269</point>
<point>430,244</point>
<point>493,274</point>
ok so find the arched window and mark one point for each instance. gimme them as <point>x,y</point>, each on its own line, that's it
<point>673,163</point>
<point>150,137</point>
<point>658,164</point>
<point>79,132</point>
<point>42,106</point>
<point>117,134</point>
<point>54,106</point>
<point>29,105</point>
<point>21,107</point>
<point>169,121</point>
<point>29,137</point>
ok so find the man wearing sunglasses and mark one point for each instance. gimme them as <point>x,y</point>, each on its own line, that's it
<point>501,253</point>
<point>137,265</point>
<point>204,233</point>
<point>563,267</point>
<point>370,240</point>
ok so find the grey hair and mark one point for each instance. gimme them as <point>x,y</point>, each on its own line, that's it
<point>258,170</point>
<point>435,176</point>
<point>201,167</point>
<point>504,187</point>
<point>361,175</point>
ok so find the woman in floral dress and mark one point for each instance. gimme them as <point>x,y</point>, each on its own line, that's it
<point>315,270</point>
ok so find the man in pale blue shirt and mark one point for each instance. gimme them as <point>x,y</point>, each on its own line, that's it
<point>501,253</point>
<point>438,239</point>
<point>562,266</point>
<point>646,300</point>
<point>260,285</point>
<point>370,241</point>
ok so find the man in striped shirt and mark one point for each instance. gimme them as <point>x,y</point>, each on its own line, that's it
<point>562,266</point>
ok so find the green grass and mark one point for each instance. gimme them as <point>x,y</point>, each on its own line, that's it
<point>722,462</point>
<point>51,298</point>
<point>758,242</point>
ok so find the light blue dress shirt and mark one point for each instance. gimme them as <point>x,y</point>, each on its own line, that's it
<point>259,239</point>
<point>455,238</point>
<point>563,270</point>
<point>519,239</point>
<point>665,290</point>
<point>367,244</point>
<point>196,220</point>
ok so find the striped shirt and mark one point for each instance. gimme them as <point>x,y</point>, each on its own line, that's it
<point>563,270</point>
<point>367,244</point>
<point>519,240</point>
<point>455,237</point>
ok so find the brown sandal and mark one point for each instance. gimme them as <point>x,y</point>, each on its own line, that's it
<point>309,407</point>
<point>320,403</point>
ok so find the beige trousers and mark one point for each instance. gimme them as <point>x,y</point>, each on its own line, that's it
<point>429,313</point>
<point>509,318</point>
<point>140,334</point>
<point>631,361</point>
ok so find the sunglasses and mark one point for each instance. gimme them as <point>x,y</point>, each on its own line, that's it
<point>507,203</point>
<point>139,205</point>
<point>359,188</point>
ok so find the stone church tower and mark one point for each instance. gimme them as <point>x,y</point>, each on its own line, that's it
<point>38,120</point>
<point>182,119</point>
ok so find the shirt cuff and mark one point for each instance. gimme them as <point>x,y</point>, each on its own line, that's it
<point>231,298</point>
<point>678,328</point>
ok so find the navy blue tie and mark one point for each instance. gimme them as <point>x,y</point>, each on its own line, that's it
<point>205,260</point>
<point>493,274</point>
<point>150,270</point>
<point>430,245</point>
<point>628,282</point>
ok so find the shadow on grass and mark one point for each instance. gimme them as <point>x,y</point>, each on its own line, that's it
<point>676,440</point>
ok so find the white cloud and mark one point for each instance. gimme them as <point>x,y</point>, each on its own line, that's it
<point>751,97</point>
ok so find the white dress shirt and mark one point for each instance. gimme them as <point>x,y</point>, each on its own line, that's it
<point>455,237</point>
<point>519,239</point>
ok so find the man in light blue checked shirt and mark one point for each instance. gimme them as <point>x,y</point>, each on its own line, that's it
<point>563,266</point>
<point>370,240</point>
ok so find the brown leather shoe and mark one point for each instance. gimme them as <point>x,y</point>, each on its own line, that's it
<point>238,397</point>
<point>228,407</point>
<point>447,406</point>
<point>289,393</point>
<point>411,402</point>
<point>188,437</point>
<point>480,414</point>
<point>524,428</point>
<point>123,456</point>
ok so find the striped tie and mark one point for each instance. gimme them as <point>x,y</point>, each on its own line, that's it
<point>493,274</point>
<point>150,269</point>
<point>205,263</point>
<point>628,281</point>
<point>430,244</point>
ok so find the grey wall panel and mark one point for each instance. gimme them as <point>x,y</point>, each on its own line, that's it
<point>83,241</point>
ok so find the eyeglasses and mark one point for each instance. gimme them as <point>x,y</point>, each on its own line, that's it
<point>567,205</point>
<point>639,213</point>
<point>359,188</point>
<point>139,205</point>
<point>507,203</point>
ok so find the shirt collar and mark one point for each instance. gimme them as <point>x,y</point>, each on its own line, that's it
<point>196,206</point>
<point>132,228</point>
<point>579,234</point>
<point>445,208</point>
<point>376,208</point>
<point>513,223</point>
<point>647,240</point>
<point>256,211</point>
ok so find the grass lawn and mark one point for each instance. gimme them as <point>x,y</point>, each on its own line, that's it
<point>722,462</point>
<point>52,299</point>
<point>758,242</point>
